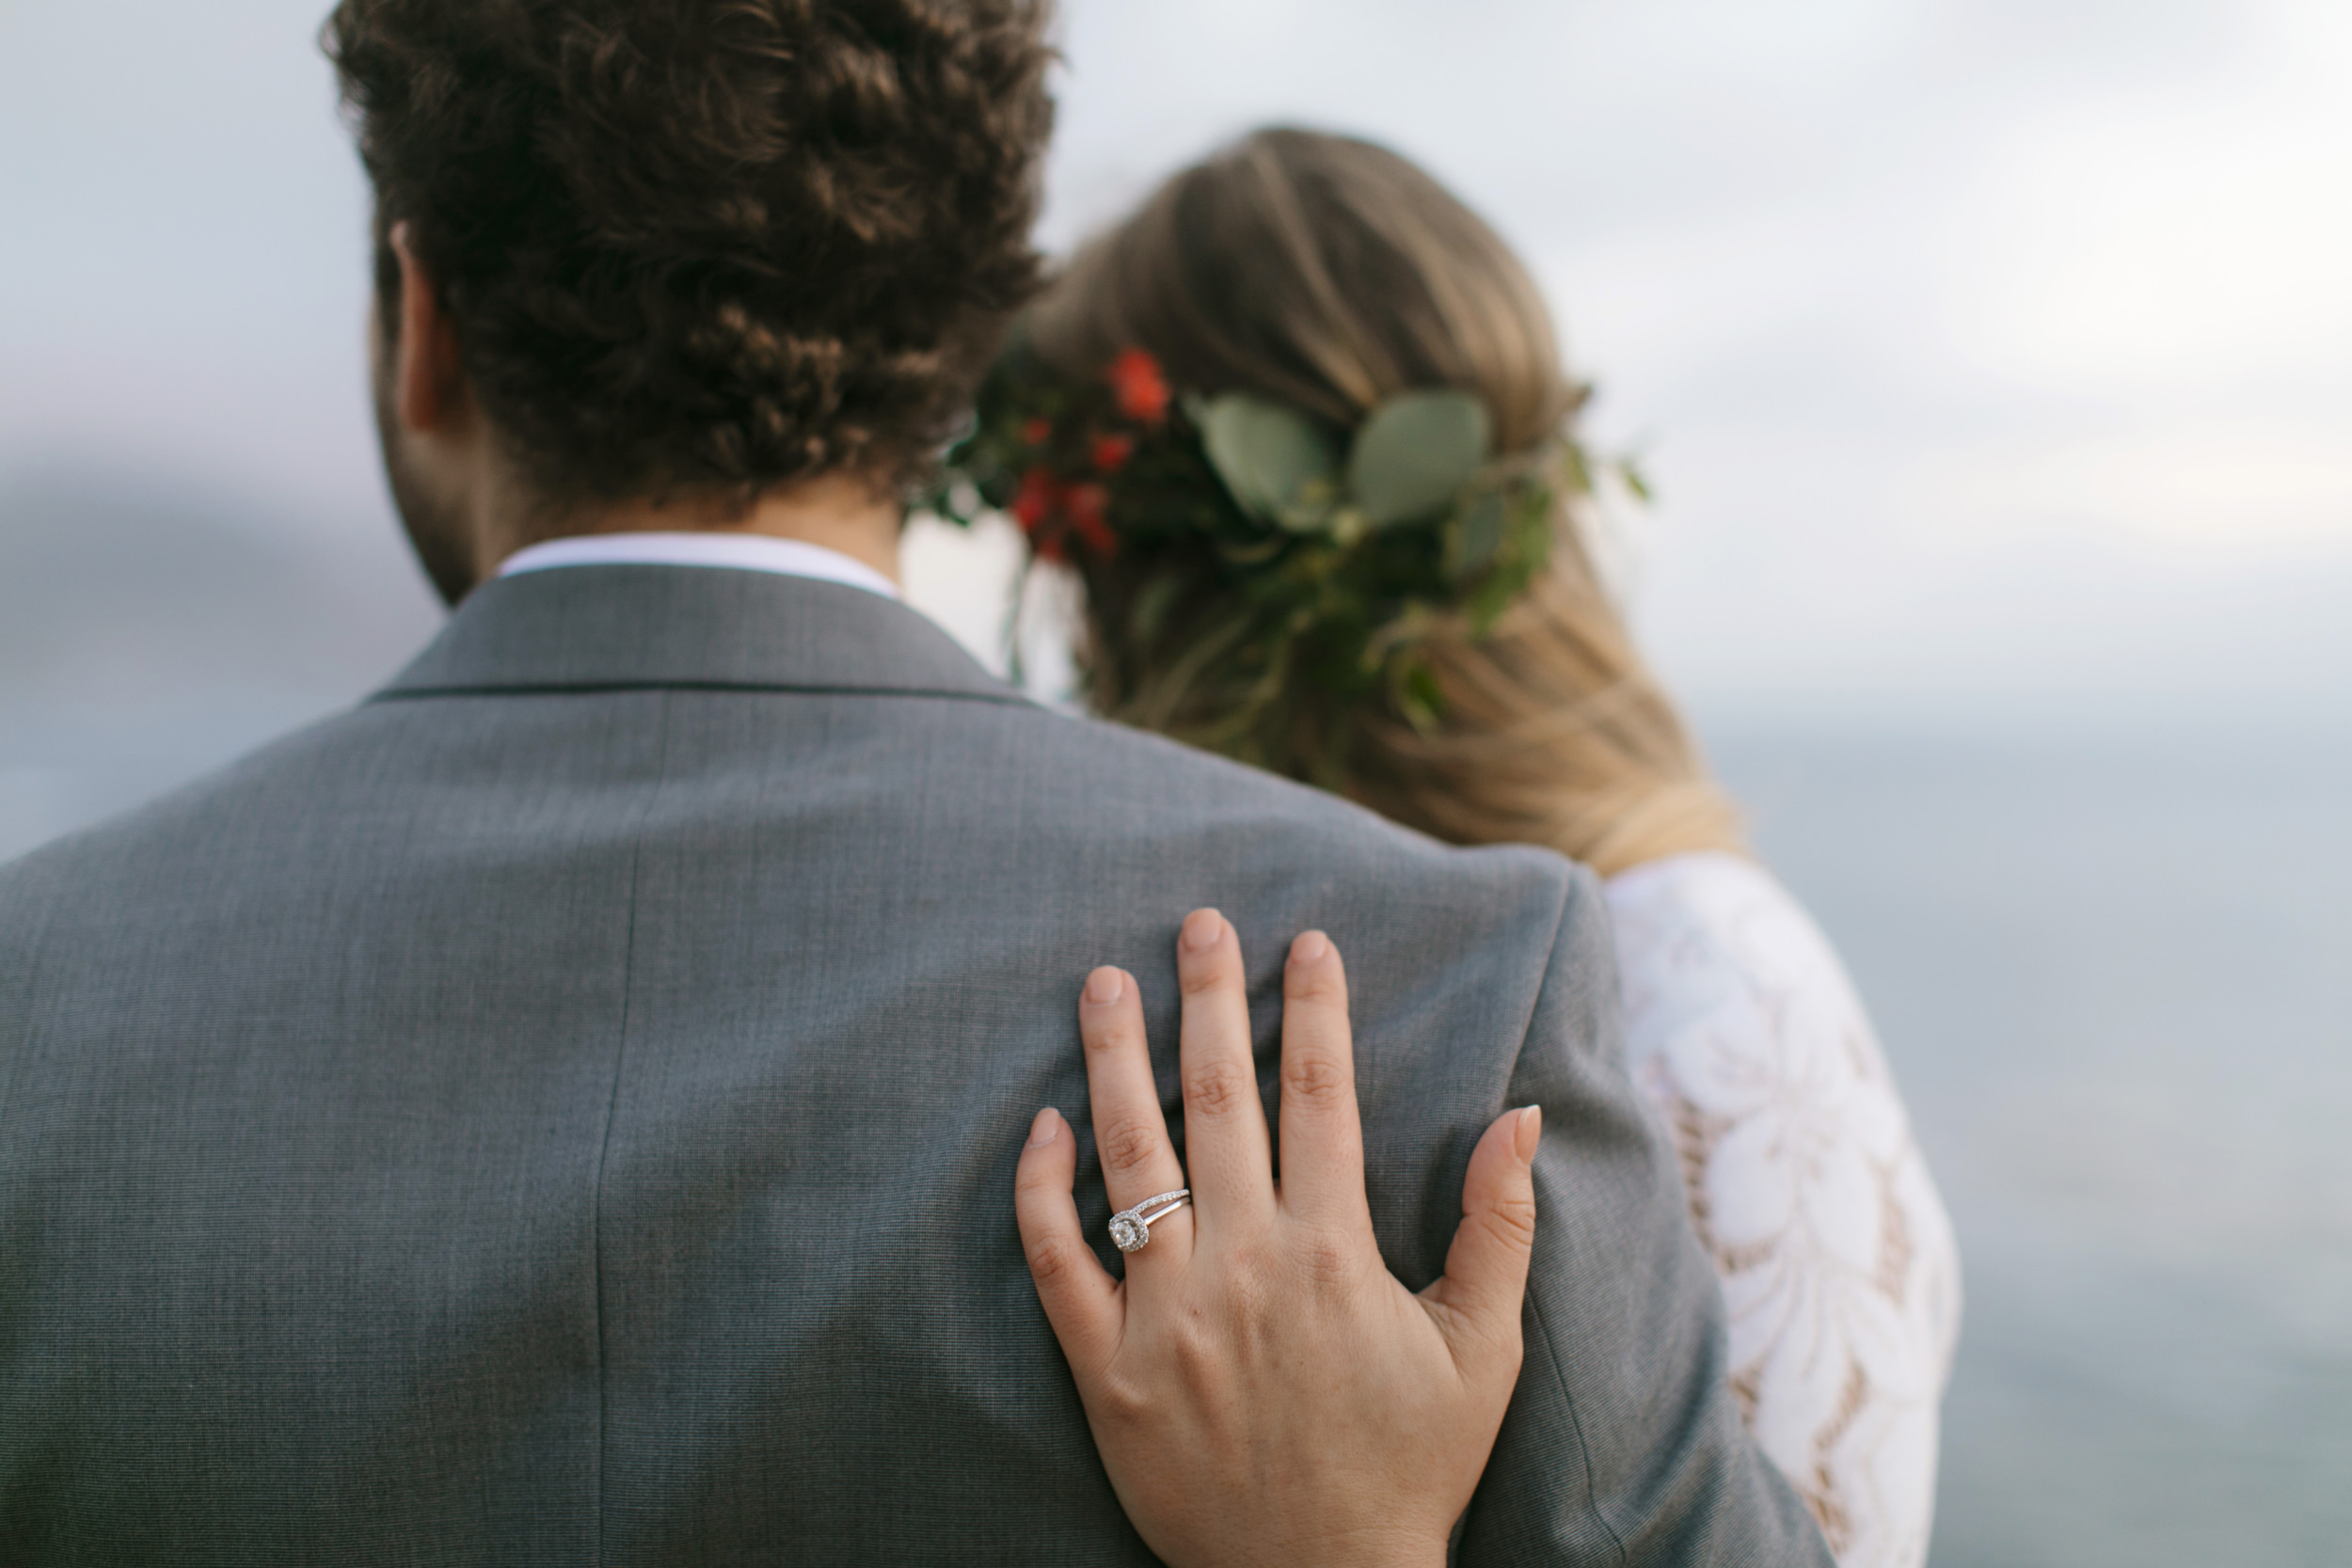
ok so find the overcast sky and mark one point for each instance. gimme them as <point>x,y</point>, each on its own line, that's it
<point>1983,352</point>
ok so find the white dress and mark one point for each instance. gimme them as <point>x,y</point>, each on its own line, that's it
<point>1805,1188</point>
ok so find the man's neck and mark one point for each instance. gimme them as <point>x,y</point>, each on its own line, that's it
<point>836,512</point>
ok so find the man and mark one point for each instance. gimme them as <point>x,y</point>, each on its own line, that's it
<point>566,1109</point>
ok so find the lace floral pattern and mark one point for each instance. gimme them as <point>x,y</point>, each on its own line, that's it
<point>1805,1188</point>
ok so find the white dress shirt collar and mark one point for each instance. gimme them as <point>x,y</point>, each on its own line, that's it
<point>743,552</point>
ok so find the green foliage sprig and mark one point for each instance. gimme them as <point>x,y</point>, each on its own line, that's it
<point>1258,577</point>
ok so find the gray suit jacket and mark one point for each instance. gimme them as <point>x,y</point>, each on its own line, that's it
<point>565,1112</point>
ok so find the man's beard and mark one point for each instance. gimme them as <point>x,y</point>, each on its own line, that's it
<point>436,528</point>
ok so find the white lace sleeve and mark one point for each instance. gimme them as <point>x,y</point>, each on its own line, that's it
<point>1805,1189</point>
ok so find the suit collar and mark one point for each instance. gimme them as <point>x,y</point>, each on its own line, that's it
<point>618,627</point>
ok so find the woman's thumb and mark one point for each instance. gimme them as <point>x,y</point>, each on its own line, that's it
<point>1477,1301</point>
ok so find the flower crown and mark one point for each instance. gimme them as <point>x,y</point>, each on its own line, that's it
<point>1269,568</point>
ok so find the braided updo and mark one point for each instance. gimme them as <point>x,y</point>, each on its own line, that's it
<point>1327,274</point>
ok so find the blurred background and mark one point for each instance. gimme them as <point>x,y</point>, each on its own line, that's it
<point>1993,361</point>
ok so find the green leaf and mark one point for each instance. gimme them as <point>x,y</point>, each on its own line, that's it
<point>1476,537</point>
<point>1415,453</point>
<point>1420,697</point>
<point>1495,595</point>
<point>1272,459</point>
<point>1578,468</point>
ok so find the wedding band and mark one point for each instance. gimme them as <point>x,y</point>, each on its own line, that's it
<point>1131,1228</point>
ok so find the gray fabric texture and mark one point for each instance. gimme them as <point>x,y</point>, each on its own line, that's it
<point>565,1111</point>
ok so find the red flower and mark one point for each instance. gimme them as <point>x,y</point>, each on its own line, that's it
<point>1086,504</point>
<point>1112,451</point>
<point>1037,431</point>
<point>1140,389</point>
<point>1037,500</point>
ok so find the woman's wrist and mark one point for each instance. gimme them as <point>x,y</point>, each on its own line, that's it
<point>1372,1547</point>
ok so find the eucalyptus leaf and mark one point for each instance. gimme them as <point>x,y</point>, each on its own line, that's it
<point>1268,455</point>
<point>1476,537</point>
<point>1415,453</point>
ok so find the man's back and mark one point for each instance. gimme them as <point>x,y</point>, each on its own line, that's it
<point>565,1111</point>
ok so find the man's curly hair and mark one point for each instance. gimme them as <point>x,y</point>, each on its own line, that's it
<point>707,246</point>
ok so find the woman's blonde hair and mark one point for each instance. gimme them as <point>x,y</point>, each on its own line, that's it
<point>1329,272</point>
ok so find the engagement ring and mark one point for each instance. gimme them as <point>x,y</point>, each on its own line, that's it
<point>1131,1228</point>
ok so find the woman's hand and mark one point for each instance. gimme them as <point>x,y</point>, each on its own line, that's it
<point>1261,1388</point>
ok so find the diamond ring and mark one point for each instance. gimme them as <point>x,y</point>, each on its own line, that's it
<point>1131,1228</point>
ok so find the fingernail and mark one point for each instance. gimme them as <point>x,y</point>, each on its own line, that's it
<point>1531,1129</point>
<point>1043,1129</point>
<point>1104,986</point>
<point>1201,928</point>
<point>1309,948</point>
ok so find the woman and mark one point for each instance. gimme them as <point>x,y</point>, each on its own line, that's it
<point>1300,427</point>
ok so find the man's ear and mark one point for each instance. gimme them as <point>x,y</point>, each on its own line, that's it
<point>428,378</point>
